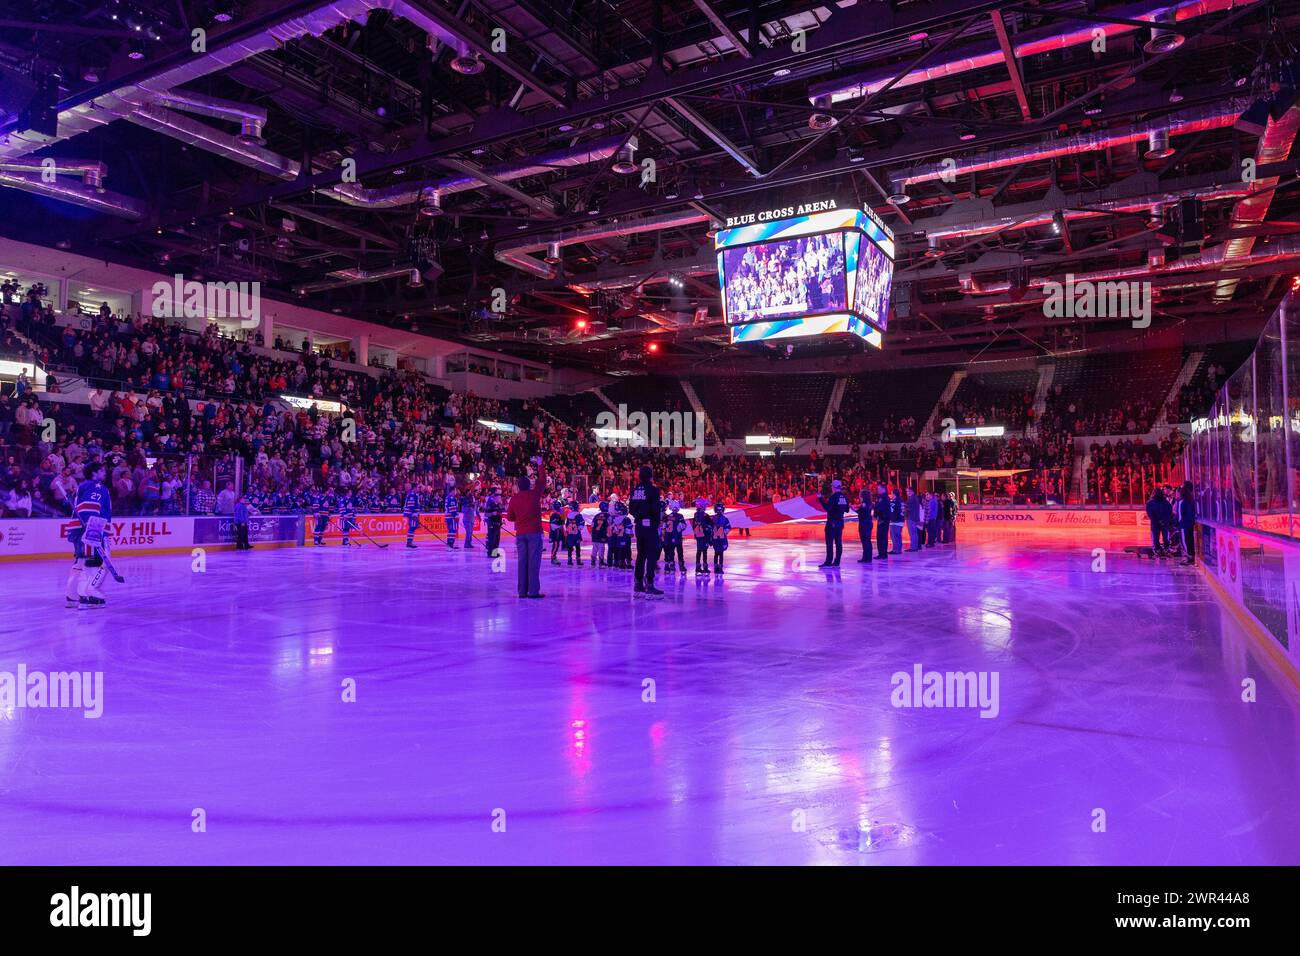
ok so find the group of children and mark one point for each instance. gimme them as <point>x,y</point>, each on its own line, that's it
<point>612,534</point>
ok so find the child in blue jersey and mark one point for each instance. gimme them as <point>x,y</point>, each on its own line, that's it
<point>493,516</point>
<point>411,511</point>
<point>615,535</point>
<point>674,533</point>
<point>702,531</point>
<point>556,526</point>
<point>599,535</point>
<point>573,523</point>
<point>721,528</point>
<point>451,514</point>
<point>93,510</point>
<point>629,532</point>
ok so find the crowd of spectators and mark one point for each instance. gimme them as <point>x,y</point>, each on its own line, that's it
<point>1013,410</point>
<point>1137,416</point>
<point>1196,397</point>
<point>1124,472</point>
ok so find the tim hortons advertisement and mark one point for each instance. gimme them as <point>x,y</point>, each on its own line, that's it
<point>1024,518</point>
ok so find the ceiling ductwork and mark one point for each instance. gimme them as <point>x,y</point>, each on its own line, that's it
<point>1177,124</point>
<point>1154,203</point>
<point>1274,146</point>
<point>403,194</point>
<point>94,198</point>
<point>521,256</point>
<point>1216,258</point>
<point>161,88</point>
<point>589,286</point>
<point>196,133</point>
<point>978,56</point>
<point>91,173</point>
<point>251,119</point>
<point>345,277</point>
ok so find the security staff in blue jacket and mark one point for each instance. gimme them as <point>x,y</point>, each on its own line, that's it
<point>240,518</point>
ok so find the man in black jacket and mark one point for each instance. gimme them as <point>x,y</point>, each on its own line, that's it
<point>864,524</point>
<point>1160,513</point>
<point>836,504</point>
<point>645,510</point>
<point>882,524</point>
<point>1186,517</point>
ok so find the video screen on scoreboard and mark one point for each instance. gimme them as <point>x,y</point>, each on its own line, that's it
<point>784,279</point>
<point>875,276</point>
<point>817,274</point>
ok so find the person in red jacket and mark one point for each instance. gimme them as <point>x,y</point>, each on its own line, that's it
<point>525,511</point>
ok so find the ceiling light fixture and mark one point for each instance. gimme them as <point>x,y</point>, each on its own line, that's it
<point>431,203</point>
<point>467,62</point>
<point>1158,145</point>
<point>820,120</point>
<point>625,165</point>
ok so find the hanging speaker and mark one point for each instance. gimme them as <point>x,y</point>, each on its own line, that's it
<point>1254,120</point>
<point>1190,227</point>
<point>42,112</point>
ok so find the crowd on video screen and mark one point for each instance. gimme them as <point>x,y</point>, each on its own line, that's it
<point>785,279</point>
<point>875,275</point>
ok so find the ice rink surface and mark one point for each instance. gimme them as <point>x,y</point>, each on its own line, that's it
<point>771,737</point>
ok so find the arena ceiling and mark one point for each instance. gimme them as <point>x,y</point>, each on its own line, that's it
<point>1004,143</point>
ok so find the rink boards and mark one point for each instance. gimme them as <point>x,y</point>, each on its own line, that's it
<point>38,538</point>
<point>1258,577</point>
<point>29,539</point>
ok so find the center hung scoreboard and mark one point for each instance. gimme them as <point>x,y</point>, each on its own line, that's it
<point>820,271</point>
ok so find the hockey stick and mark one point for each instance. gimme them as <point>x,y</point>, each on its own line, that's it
<point>356,527</point>
<point>108,563</point>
